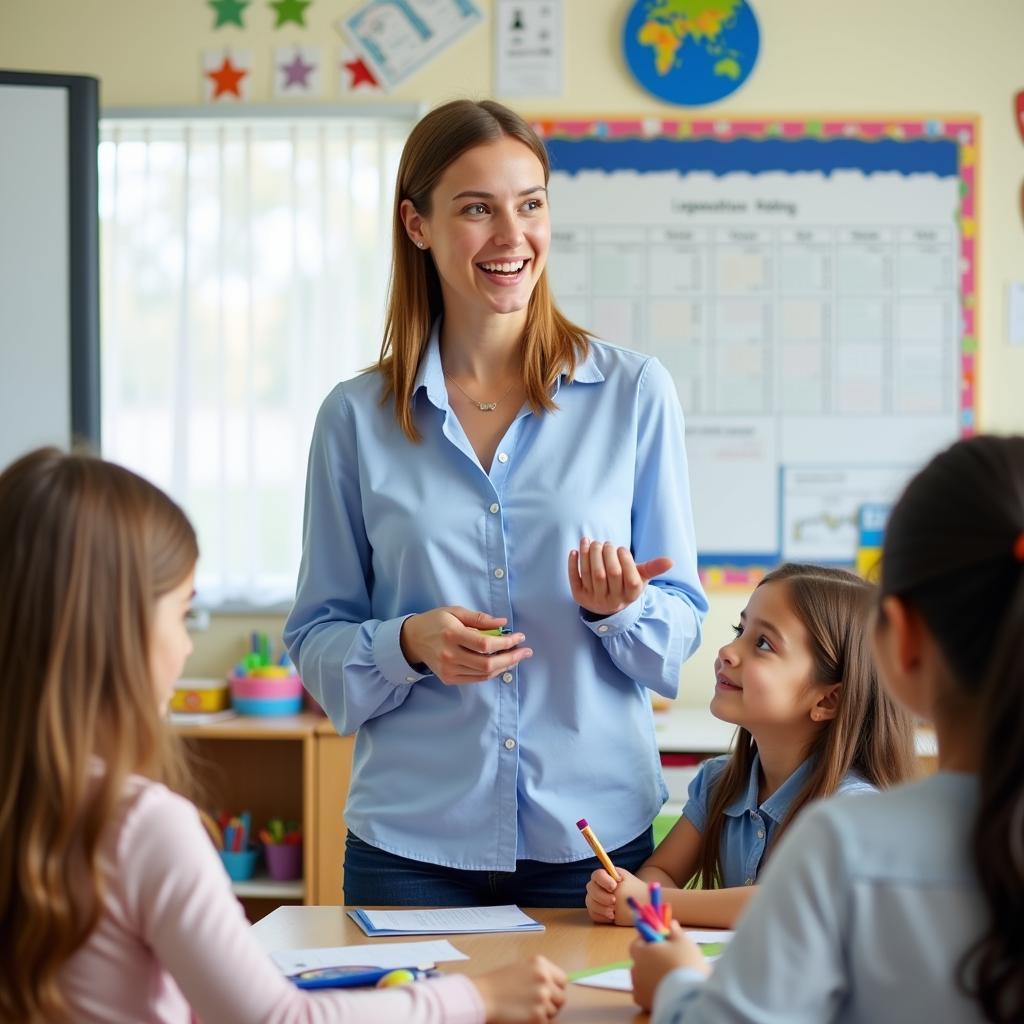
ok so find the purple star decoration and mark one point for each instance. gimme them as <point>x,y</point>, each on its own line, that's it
<point>297,72</point>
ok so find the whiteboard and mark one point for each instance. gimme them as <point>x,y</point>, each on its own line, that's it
<point>48,267</point>
<point>809,285</point>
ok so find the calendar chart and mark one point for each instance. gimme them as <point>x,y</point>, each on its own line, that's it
<point>809,286</point>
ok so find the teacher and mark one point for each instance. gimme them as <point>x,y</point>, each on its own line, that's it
<point>496,467</point>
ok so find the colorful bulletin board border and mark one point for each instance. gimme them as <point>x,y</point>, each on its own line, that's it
<point>960,130</point>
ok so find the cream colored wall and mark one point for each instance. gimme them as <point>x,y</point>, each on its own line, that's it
<point>818,56</point>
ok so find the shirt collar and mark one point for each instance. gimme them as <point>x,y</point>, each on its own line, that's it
<point>430,375</point>
<point>778,804</point>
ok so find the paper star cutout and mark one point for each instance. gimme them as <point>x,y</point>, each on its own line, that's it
<point>297,72</point>
<point>229,12</point>
<point>290,10</point>
<point>360,73</point>
<point>226,79</point>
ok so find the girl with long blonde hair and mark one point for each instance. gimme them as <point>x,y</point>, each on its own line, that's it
<point>115,906</point>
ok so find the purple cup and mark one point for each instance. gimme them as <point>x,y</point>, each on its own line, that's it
<point>284,861</point>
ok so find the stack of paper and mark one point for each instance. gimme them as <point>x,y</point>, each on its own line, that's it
<point>455,920</point>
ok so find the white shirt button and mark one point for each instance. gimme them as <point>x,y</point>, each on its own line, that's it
<point>602,629</point>
<point>749,881</point>
<point>499,574</point>
<point>760,833</point>
<point>410,679</point>
<point>502,457</point>
<point>510,744</point>
<point>494,508</point>
<point>507,677</point>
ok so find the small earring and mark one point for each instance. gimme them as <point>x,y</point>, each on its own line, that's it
<point>420,244</point>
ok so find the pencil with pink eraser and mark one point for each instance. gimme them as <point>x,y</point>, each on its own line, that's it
<point>595,845</point>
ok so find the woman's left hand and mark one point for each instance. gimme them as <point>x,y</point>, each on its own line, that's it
<point>604,579</point>
<point>653,960</point>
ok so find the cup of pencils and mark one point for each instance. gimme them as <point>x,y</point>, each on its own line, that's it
<point>651,919</point>
<point>282,846</point>
<point>236,851</point>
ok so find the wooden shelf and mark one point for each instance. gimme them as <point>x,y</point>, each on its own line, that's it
<point>264,887</point>
<point>255,727</point>
<point>292,767</point>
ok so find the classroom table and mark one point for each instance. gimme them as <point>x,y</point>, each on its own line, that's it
<point>569,939</point>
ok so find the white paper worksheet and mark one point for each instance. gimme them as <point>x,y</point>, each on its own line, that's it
<point>383,954</point>
<point>443,921</point>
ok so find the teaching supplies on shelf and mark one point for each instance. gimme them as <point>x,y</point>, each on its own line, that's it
<point>389,955</point>
<point>200,702</point>
<point>200,696</point>
<point>237,853</point>
<point>282,849</point>
<point>260,686</point>
<point>455,920</point>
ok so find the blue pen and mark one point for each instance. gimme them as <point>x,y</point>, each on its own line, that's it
<point>351,976</point>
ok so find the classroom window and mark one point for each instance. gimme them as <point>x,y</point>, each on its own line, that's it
<point>244,263</point>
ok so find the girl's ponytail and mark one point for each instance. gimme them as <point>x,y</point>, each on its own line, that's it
<point>993,968</point>
<point>954,552</point>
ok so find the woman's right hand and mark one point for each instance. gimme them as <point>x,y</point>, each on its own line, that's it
<point>526,993</point>
<point>449,642</point>
<point>607,899</point>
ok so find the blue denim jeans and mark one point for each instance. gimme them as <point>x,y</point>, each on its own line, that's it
<point>374,877</point>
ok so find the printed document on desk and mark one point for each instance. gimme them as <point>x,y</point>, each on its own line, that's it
<point>443,921</point>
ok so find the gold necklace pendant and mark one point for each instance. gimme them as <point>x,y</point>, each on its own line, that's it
<point>482,406</point>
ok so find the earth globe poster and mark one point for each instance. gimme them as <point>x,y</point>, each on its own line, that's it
<point>691,52</point>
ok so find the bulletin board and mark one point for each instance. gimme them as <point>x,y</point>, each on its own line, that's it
<point>811,286</point>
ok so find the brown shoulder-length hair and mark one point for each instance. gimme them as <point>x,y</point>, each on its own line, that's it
<point>954,552</point>
<point>551,343</point>
<point>87,549</point>
<point>870,735</point>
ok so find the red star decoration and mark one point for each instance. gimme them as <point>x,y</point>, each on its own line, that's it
<point>360,73</point>
<point>226,79</point>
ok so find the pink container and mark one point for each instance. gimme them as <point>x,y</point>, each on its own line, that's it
<point>284,861</point>
<point>253,695</point>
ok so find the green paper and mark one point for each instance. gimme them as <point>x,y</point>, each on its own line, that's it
<point>290,10</point>
<point>588,971</point>
<point>228,12</point>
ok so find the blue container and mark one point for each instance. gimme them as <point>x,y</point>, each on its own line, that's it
<point>262,706</point>
<point>239,864</point>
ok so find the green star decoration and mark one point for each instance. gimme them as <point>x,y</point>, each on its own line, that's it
<point>290,10</point>
<point>229,12</point>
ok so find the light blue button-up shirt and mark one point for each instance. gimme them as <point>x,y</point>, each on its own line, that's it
<point>480,775</point>
<point>750,826</point>
<point>863,916</point>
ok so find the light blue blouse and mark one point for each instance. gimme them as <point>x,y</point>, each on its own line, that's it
<point>478,776</point>
<point>750,826</point>
<point>863,915</point>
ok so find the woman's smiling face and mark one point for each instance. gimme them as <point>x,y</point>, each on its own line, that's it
<point>488,230</point>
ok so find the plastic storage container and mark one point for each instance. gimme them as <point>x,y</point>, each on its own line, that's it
<point>252,695</point>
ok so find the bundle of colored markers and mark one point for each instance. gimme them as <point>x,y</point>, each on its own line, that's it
<point>234,831</point>
<point>652,919</point>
